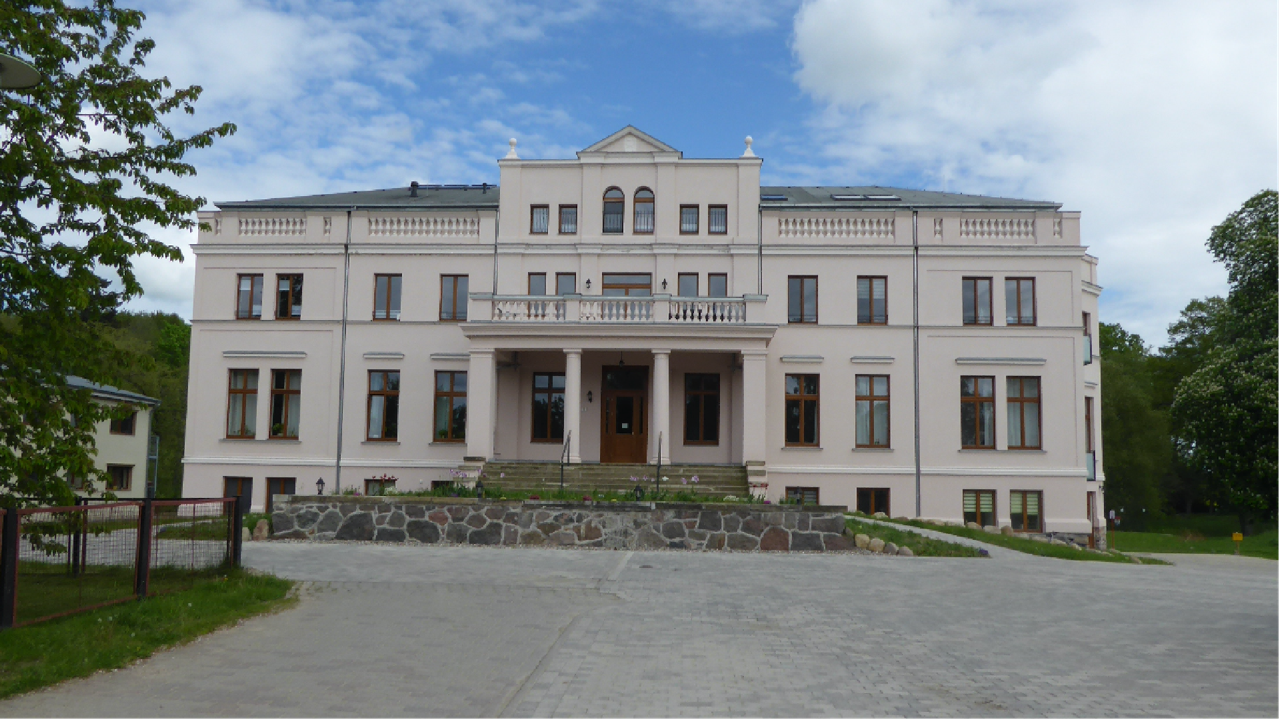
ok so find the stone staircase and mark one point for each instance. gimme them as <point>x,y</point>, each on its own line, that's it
<point>611,477</point>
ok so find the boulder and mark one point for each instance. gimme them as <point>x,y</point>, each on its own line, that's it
<point>261,530</point>
<point>902,518</point>
<point>1039,538</point>
<point>424,531</point>
<point>876,545</point>
<point>991,529</point>
<point>1007,530</point>
<point>1057,542</point>
<point>906,552</point>
<point>890,548</point>
<point>245,535</point>
<point>836,543</point>
<point>357,526</point>
<point>973,526</point>
<point>861,541</point>
<point>880,516</point>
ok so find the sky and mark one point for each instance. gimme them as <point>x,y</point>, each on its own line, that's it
<point>1154,119</point>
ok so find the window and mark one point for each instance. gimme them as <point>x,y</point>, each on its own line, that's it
<point>1020,301</point>
<point>718,219</point>
<point>976,294</point>
<point>802,495</point>
<point>977,412</point>
<point>615,284</point>
<point>871,301</point>
<point>873,500</point>
<point>384,404</point>
<point>568,219</point>
<point>687,285</point>
<point>537,283</point>
<point>386,297</point>
<point>802,299</point>
<point>539,219</point>
<point>1088,338</point>
<point>280,486</point>
<point>1024,510</point>
<point>242,404</point>
<point>980,507</point>
<point>614,202</point>
<point>1024,413</point>
<point>124,425</point>
<point>871,406</point>
<point>548,407</point>
<point>802,410</point>
<point>119,477</point>
<point>717,285</point>
<point>378,486</point>
<point>566,283</point>
<point>453,297</point>
<point>238,487</point>
<point>1091,470</point>
<point>451,406</point>
<point>688,219</point>
<point>701,409</point>
<point>288,297</point>
<point>248,297</point>
<point>286,403</point>
<point>644,211</point>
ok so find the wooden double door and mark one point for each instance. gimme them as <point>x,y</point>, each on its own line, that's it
<point>624,433</point>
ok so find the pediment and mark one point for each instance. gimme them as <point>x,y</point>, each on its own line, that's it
<point>630,140</point>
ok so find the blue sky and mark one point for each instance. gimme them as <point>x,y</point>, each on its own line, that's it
<point>1154,119</point>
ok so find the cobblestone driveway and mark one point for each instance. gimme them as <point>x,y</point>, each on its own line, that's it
<point>399,631</point>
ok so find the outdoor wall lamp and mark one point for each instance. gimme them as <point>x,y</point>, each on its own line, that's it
<point>639,493</point>
<point>664,284</point>
<point>588,283</point>
<point>479,489</point>
<point>588,396</point>
<point>320,486</point>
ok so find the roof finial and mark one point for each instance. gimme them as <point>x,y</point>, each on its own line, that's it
<point>511,154</point>
<point>747,152</point>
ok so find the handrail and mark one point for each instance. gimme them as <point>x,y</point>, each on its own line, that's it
<point>657,475</point>
<point>564,454</point>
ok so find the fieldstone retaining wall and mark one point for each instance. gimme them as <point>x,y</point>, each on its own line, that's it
<point>623,526</point>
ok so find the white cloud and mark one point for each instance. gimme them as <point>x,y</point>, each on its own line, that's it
<point>1153,119</point>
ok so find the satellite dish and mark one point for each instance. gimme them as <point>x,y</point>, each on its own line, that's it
<point>17,75</point>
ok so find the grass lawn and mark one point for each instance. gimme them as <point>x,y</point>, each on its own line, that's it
<point>919,544</point>
<point>1031,547</point>
<point>39,655</point>
<point>1263,545</point>
<point>204,530</point>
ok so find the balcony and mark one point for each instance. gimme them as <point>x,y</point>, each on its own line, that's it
<point>745,310</point>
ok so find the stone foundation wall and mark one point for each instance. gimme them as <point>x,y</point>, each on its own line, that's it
<point>622,526</point>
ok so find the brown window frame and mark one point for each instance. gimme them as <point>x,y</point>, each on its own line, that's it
<point>284,394</point>
<point>529,287</point>
<point>966,289</point>
<point>273,482</point>
<point>575,283</point>
<point>451,433</point>
<point>1088,424</point>
<point>374,487</point>
<point>388,397</point>
<point>242,313</point>
<point>804,319</point>
<point>871,299</point>
<point>703,397</point>
<point>872,398</point>
<point>680,280</point>
<point>533,214</point>
<point>697,219</point>
<point>626,287</point>
<point>978,400</point>
<point>551,392</point>
<point>636,203</point>
<point>725,276</point>
<point>621,202</point>
<point>456,317</point>
<point>112,482</point>
<point>1021,519</point>
<point>711,227</point>
<point>1019,281</point>
<point>387,298</point>
<point>791,492</point>
<point>117,426</point>
<point>295,288</point>
<point>978,512</point>
<point>561,223</point>
<point>870,508</point>
<point>803,397</point>
<point>240,395</point>
<point>1022,400</point>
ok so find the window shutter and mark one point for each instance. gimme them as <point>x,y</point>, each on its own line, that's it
<point>988,502</point>
<point>1015,503</point>
<point>970,502</point>
<point>1033,503</point>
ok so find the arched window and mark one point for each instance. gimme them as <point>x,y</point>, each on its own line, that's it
<point>614,201</point>
<point>644,211</point>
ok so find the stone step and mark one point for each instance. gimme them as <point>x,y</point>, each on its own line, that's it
<point>535,477</point>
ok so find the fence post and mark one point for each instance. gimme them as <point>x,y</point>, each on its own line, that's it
<point>8,568</point>
<point>144,548</point>
<point>237,534</point>
<point>76,523</point>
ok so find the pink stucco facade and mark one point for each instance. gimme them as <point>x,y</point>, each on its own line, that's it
<point>922,251</point>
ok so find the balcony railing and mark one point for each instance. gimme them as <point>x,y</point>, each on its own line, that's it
<point>599,309</point>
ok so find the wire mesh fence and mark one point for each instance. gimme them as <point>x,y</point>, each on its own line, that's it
<point>60,560</point>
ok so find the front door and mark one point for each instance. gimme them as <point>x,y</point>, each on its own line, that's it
<point>624,437</point>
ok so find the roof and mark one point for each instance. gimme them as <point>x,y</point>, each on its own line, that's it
<point>860,197</point>
<point>654,143</point>
<point>427,197</point>
<point>111,393</point>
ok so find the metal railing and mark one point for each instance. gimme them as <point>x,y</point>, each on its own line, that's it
<point>564,457</point>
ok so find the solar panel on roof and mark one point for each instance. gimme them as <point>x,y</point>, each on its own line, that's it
<point>835,196</point>
<point>773,198</point>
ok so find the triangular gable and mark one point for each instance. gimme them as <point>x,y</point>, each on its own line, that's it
<point>630,139</point>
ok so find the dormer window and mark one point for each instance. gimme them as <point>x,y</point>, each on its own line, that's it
<point>614,201</point>
<point>644,211</point>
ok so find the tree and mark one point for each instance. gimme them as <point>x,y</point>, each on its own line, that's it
<point>1225,411</point>
<point>73,216</point>
<point>1135,432</point>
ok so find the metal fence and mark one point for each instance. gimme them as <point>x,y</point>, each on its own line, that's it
<point>57,561</point>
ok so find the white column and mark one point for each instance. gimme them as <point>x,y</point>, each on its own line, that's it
<point>573,403</point>
<point>482,404</point>
<point>661,404</point>
<point>755,402</point>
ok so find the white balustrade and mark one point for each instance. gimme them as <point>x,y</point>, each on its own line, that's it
<point>528,309</point>
<point>617,309</point>
<point>264,226</point>
<point>718,311</point>
<point>998,228</point>
<point>598,309</point>
<point>836,227</point>
<point>409,226</point>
